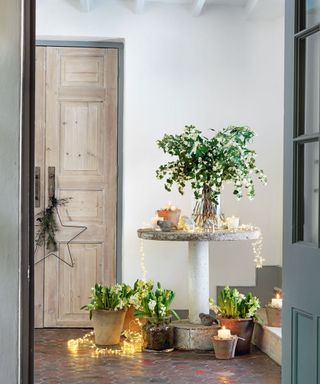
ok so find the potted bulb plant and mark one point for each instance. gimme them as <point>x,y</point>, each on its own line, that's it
<point>139,291</point>
<point>236,312</point>
<point>107,309</point>
<point>207,163</point>
<point>155,308</point>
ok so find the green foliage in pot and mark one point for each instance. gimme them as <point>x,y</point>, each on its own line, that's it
<point>234,305</point>
<point>155,305</point>
<point>115,297</point>
<point>141,289</point>
<point>208,162</point>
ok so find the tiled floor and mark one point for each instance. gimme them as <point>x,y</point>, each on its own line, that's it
<point>54,363</point>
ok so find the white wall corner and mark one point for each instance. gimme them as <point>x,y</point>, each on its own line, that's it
<point>85,5</point>
<point>139,6</point>
<point>197,7</point>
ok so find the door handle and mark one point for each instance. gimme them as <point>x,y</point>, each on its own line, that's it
<point>37,187</point>
<point>51,182</point>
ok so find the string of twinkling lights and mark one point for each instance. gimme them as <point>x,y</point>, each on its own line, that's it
<point>257,251</point>
<point>131,343</point>
<point>142,261</point>
<point>256,245</point>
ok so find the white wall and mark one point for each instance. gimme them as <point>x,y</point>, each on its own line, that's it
<point>212,71</point>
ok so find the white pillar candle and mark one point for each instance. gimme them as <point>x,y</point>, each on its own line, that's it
<point>233,222</point>
<point>224,333</point>
<point>277,302</point>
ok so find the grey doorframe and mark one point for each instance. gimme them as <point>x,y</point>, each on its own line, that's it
<point>120,47</point>
<point>26,194</point>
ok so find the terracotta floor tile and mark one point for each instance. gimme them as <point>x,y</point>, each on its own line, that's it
<point>55,364</point>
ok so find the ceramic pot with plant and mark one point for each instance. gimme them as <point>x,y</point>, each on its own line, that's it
<point>236,312</point>
<point>155,308</point>
<point>139,291</point>
<point>107,309</point>
<point>170,213</point>
<point>208,162</point>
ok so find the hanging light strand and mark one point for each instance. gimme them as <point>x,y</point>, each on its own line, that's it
<point>142,261</point>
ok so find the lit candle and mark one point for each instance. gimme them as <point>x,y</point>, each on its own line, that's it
<point>224,333</point>
<point>277,302</point>
<point>168,206</point>
<point>233,222</point>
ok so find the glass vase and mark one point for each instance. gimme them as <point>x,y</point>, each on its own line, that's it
<point>205,211</point>
<point>158,334</point>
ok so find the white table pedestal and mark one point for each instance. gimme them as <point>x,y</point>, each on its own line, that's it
<point>198,280</point>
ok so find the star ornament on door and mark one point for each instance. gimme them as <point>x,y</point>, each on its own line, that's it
<point>47,228</point>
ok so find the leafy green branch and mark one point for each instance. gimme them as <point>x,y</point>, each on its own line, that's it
<point>208,162</point>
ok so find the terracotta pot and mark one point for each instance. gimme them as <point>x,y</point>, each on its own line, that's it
<point>243,328</point>
<point>224,348</point>
<point>274,316</point>
<point>131,323</point>
<point>169,215</point>
<point>107,326</point>
<point>158,336</point>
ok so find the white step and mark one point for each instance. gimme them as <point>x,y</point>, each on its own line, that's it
<point>268,339</point>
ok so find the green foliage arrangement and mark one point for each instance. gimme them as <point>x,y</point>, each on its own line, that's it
<point>141,289</point>
<point>233,305</point>
<point>208,162</point>
<point>155,305</point>
<point>48,225</point>
<point>115,297</point>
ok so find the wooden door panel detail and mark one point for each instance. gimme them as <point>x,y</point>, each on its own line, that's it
<point>75,283</point>
<point>82,71</point>
<point>79,71</point>
<point>84,206</point>
<point>81,143</point>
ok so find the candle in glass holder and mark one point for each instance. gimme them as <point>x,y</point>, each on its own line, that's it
<point>276,302</point>
<point>233,222</point>
<point>224,333</point>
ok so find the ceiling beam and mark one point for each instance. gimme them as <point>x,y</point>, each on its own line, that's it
<point>86,5</point>
<point>264,9</point>
<point>197,7</point>
<point>139,6</point>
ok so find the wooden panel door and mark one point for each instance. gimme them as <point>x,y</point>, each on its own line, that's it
<point>81,145</point>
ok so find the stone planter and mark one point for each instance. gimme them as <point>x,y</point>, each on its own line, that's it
<point>158,336</point>
<point>131,323</point>
<point>274,317</point>
<point>107,326</point>
<point>169,215</point>
<point>243,328</point>
<point>225,348</point>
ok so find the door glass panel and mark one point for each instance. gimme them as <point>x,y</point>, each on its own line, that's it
<point>309,84</point>
<point>309,13</point>
<point>308,199</point>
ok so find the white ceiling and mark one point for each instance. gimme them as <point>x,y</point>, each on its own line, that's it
<point>218,2</point>
<point>259,9</point>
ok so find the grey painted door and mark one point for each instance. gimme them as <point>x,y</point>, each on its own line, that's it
<point>301,279</point>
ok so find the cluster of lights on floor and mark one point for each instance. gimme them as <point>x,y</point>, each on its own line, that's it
<point>132,342</point>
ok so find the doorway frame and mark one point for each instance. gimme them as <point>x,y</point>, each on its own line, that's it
<point>120,97</point>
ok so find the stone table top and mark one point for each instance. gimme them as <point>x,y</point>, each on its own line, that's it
<point>219,235</point>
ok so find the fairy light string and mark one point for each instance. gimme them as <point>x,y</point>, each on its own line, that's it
<point>132,343</point>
